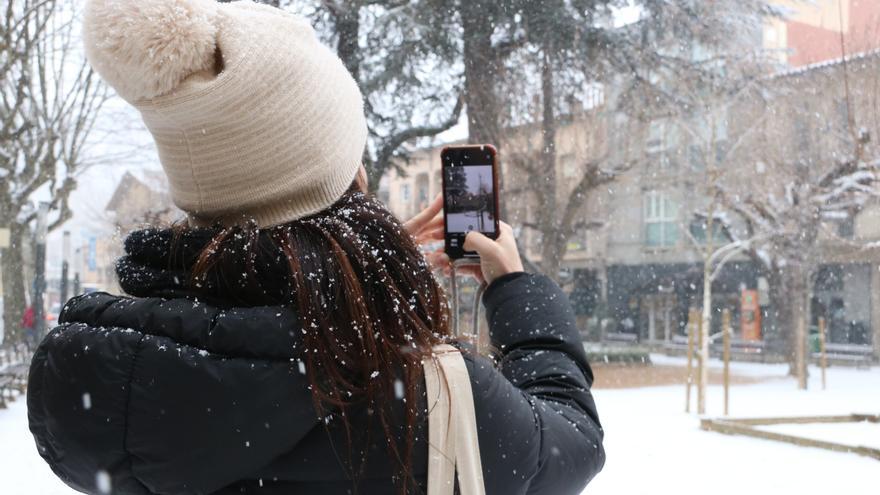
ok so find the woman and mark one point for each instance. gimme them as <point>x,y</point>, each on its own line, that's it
<point>275,339</point>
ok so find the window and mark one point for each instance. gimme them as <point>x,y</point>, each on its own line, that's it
<point>422,190</point>
<point>662,161</point>
<point>576,245</point>
<point>595,96</point>
<point>383,195</point>
<point>661,220</point>
<point>846,228</point>
<point>830,278</point>
<point>699,229</point>
<point>656,137</point>
<point>710,139</point>
<point>660,145</point>
<point>405,193</point>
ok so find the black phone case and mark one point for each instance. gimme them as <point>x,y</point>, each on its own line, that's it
<point>464,156</point>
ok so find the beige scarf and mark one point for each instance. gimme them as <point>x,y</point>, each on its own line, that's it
<point>452,426</point>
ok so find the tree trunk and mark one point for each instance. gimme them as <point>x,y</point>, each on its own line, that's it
<point>705,326</point>
<point>554,240</point>
<point>347,23</point>
<point>14,292</point>
<point>774,331</point>
<point>800,310</point>
<point>552,252</point>
<point>706,320</point>
<point>789,295</point>
<point>348,26</point>
<point>481,71</point>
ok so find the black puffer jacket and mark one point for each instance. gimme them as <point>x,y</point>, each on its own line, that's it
<point>167,395</point>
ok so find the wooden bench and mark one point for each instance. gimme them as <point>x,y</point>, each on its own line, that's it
<point>741,350</point>
<point>862,356</point>
<point>7,383</point>
<point>740,347</point>
<point>677,343</point>
<point>621,337</point>
<point>13,354</point>
<point>19,374</point>
<point>13,378</point>
<point>14,369</point>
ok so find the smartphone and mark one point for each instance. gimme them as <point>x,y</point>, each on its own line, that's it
<point>470,195</point>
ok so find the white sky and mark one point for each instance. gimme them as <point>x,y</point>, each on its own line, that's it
<point>122,137</point>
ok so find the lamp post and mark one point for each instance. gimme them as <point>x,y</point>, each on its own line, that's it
<point>65,266</point>
<point>77,267</point>
<point>40,268</point>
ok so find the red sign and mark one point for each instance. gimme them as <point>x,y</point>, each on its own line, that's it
<point>750,321</point>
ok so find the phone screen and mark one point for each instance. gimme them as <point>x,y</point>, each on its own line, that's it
<point>470,198</point>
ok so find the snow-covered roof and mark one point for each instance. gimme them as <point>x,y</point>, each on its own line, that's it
<point>825,64</point>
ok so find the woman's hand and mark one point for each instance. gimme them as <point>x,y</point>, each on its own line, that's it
<point>497,257</point>
<point>427,225</point>
<point>427,228</point>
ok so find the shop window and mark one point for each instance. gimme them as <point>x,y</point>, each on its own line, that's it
<point>660,220</point>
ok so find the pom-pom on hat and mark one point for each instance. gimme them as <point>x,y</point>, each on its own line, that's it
<point>254,119</point>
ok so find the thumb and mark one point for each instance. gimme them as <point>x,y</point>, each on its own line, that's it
<point>475,241</point>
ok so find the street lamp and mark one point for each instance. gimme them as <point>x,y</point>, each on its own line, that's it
<point>65,265</point>
<point>40,268</point>
<point>77,268</point>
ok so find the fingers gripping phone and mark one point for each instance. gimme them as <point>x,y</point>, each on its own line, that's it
<point>470,195</point>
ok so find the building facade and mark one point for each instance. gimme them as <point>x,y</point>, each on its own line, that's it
<point>139,200</point>
<point>820,30</point>
<point>639,268</point>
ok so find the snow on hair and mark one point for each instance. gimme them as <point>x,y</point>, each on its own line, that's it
<point>145,48</point>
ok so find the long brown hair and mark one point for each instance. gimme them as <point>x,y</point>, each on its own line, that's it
<point>370,307</point>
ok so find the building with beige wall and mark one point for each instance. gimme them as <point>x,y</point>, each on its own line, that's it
<point>638,267</point>
<point>139,200</point>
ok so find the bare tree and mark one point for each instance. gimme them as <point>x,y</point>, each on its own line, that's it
<point>642,69</point>
<point>49,100</point>
<point>718,88</point>
<point>821,169</point>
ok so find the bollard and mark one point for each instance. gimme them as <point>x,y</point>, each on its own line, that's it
<point>690,356</point>
<point>725,318</point>
<point>698,327</point>
<point>823,358</point>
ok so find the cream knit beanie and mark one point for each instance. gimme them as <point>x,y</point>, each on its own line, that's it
<point>253,117</point>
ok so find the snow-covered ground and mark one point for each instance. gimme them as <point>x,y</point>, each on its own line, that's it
<point>653,447</point>
<point>466,222</point>
<point>22,471</point>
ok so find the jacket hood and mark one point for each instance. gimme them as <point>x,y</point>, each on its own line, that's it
<point>167,395</point>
